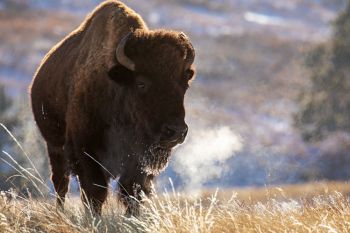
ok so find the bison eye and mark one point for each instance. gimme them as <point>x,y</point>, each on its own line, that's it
<point>189,74</point>
<point>140,85</point>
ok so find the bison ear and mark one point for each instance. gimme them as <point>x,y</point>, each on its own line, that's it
<point>121,75</point>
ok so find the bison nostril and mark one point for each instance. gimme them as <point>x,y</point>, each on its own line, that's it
<point>174,132</point>
<point>169,132</point>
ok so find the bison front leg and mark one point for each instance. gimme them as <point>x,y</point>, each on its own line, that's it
<point>93,186</point>
<point>131,185</point>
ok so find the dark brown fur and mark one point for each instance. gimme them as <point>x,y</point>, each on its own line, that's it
<point>99,122</point>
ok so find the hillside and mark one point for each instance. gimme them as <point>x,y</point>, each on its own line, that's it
<point>249,62</point>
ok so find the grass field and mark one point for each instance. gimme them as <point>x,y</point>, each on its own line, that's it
<point>313,207</point>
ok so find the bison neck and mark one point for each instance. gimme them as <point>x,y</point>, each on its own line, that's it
<point>123,152</point>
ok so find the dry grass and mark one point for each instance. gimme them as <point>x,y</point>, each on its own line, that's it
<point>285,192</point>
<point>313,207</point>
<point>329,212</point>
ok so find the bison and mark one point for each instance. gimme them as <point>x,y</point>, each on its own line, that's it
<point>109,102</point>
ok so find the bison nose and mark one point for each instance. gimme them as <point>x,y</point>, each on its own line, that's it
<point>174,133</point>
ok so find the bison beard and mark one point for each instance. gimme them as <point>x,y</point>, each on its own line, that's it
<point>155,159</point>
<point>109,101</point>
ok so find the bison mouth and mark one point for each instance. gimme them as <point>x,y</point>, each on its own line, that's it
<point>155,159</point>
<point>158,150</point>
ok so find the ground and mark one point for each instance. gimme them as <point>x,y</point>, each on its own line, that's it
<point>313,207</point>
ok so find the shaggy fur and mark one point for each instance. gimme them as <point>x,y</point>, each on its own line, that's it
<point>93,111</point>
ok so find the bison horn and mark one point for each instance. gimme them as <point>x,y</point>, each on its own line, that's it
<point>120,53</point>
<point>190,55</point>
<point>190,52</point>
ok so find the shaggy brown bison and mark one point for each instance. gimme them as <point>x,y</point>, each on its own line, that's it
<point>109,101</point>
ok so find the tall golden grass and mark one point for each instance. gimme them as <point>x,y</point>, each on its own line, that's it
<point>313,207</point>
<point>176,212</point>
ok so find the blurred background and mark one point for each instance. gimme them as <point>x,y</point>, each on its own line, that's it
<point>270,104</point>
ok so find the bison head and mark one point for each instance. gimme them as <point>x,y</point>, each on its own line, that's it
<point>154,71</point>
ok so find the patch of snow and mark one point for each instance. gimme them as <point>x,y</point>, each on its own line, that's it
<point>263,19</point>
